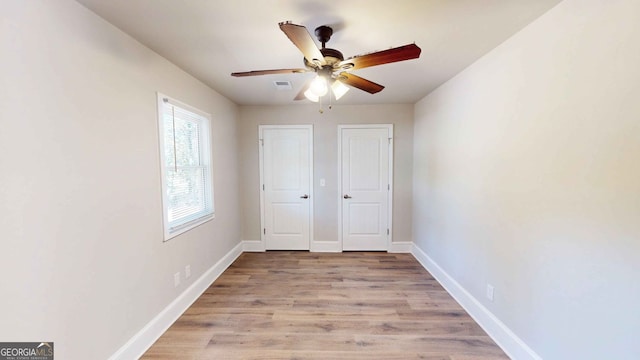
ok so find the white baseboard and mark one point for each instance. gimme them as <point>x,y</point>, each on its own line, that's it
<point>143,340</point>
<point>326,246</point>
<point>510,343</point>
<point>316,246</point>
<point>253,246</point>
<point>400,247</point>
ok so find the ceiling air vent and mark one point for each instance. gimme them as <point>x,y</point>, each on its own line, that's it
<point>282,85</point>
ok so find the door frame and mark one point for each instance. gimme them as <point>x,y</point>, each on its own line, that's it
<point>261,128</point>
<point>389,128</point>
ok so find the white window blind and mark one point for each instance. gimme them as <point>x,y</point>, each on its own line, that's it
<point>186,166</point>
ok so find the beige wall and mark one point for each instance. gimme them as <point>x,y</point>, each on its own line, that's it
<point>325,128</point>
<point>526,176</point>
<point>83,261</point>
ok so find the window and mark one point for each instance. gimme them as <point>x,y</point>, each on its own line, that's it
<point>185,154</point>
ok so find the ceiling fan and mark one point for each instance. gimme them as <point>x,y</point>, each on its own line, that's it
<point>330,65</point>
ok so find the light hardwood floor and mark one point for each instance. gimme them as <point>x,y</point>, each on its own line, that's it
<point>301,305</point>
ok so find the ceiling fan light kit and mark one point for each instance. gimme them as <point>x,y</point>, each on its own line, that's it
<point>330,65</point>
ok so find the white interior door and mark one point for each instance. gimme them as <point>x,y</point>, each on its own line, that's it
<point>366,187</point>
<point>286,163</point>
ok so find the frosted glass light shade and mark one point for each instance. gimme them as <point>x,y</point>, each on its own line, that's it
<point>339,89</point>
<point>311,96</point>
<point>319,86</point>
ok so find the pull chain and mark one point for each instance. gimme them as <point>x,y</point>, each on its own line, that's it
<point>330,106</point>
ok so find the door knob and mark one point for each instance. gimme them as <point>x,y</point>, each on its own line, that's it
<point>347,196</point>
<point>305,196</point>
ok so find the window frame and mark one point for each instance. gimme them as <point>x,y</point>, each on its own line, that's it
<point>205,150</point>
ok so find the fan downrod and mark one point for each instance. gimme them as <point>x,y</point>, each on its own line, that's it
<point>323,33</point>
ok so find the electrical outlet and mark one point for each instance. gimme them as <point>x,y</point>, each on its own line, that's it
<point>176,279</point>
<point>490,292</point>
<point>187,271</point>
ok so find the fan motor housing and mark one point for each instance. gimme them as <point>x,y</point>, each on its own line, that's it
<point>331,57</point>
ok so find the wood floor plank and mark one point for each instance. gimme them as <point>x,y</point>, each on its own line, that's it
<point>302,305</point>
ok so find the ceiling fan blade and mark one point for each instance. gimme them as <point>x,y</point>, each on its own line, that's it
<point>301,38</point>
<point>360,83</point>
<point>407,52</point>
<point>268,72</point>
<point>305,87</point>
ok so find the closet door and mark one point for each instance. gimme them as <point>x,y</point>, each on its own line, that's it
<point>286,163</point>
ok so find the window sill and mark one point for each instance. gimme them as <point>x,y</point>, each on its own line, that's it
<point>171,233</point>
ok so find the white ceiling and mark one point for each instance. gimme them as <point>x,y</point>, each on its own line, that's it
<point>210,39</point>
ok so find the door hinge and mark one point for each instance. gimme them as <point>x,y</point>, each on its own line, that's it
<point>387,231</point>
<point>388,186</point>
<point>390,141</point>
<point>262,142</point>
<point>264,231</point>
<point>262,187</point>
